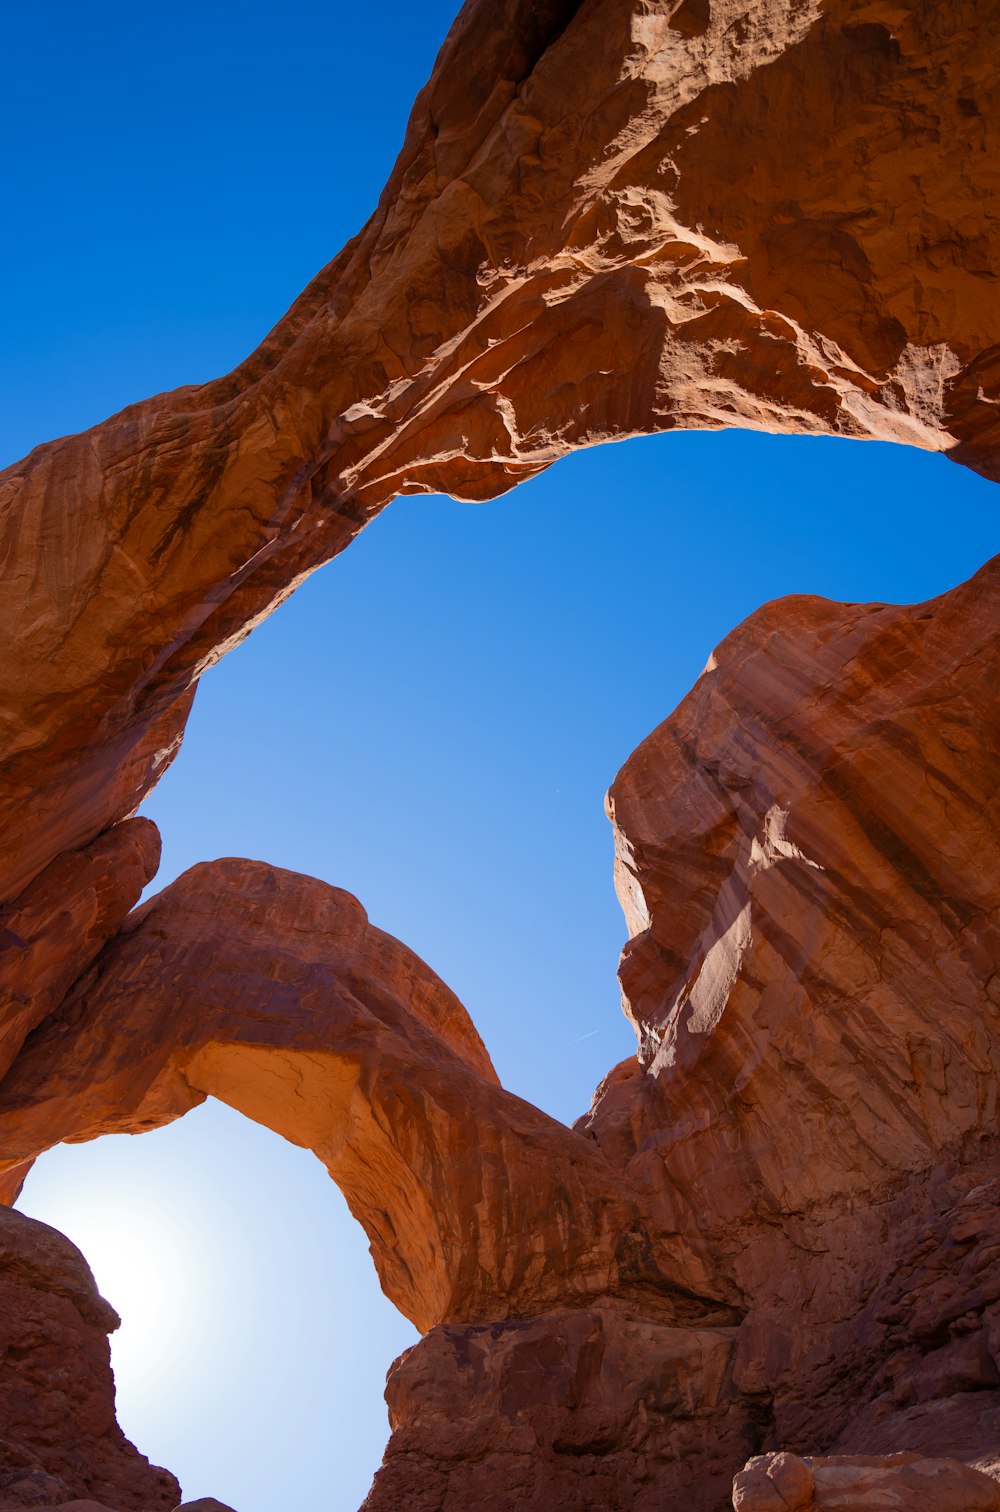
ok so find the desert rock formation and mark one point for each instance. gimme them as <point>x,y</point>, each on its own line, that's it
<point>60,1443</point>
<point>858,1483</point>
<point>607,218</point>
<point>807,851</point>
<point>777,1228</point>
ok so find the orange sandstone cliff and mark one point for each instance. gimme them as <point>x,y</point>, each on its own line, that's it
<point>777,1228</point>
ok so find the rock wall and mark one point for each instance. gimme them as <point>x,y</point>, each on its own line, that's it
<point>776,1227</point>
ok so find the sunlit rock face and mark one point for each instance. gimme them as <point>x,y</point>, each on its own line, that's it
<point>809,857</point>
<point>607,219</point>
<point>777,1227</point>
<point>272,992</point>
<point>785,1483</point>
<point>59,1441</point>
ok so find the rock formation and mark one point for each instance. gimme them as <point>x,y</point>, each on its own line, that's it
<point>204,1504</point>
<point>807,852</point>
<point>607,218</point>
<point>857,1483</point>
<point>776,1229</point>
<point>59,1442</point>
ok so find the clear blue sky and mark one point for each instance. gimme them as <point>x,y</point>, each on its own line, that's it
<point>431,722</point>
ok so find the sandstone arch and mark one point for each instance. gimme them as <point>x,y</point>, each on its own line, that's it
<point>805,946</point>
<point>588,235</point>
<point>273,992</point>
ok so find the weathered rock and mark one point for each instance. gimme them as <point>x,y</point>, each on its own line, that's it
<point>273,993</point>
<point>594,1408</point>
<point>59,923</point>
<point>775,1483</point>
<point>784,1483</point>
<point>58,1437</point>
<point>80,1506</point>
<point>606,219</point>
<point>810,846</point>
<point>203,1504</point>
<point>809,857</point>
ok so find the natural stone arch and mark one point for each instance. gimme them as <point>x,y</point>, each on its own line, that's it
<point>586,237</point>
<point>591,232</point>
<point>272,992</point>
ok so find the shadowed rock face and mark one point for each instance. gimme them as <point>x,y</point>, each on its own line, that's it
<point>59,1442</point>
<point>776,1228</point>
<point>272,992</point>
<point>779,1225</point>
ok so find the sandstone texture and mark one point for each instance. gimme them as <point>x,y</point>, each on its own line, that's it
<point>776,1229</point>
<point>607,218</point>
<point>272,992</point>
<point>779,1226</point>
<point>59,924</point>
<point>594,1408</point>
<point>861,1483</point>
<point>60,1445</point>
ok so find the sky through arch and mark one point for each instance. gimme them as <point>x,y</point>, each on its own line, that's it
<point>431,722</point>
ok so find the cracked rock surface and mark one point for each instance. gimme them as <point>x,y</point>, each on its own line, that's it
<point>776,1228</point>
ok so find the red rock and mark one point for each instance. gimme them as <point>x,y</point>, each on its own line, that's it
<point>606,219</point>
<point>59,923</point>
<point>590,233</point>
<point>80,1506</point>
<point>775,1483</point>
<point>476,1204</point>
<point>809,856</point>
<point>59,1442</point>
<point>203,1504</point>
<point>861,1483</point>
<point>590,1408</point>
<point>801,1166</point>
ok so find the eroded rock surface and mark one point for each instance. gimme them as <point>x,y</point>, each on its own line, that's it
<point>59,1441</point>
<point>607,218</point>
<point>778,1227</point>
<point>59,924</point>
<point>595,1408</point>
<point>860,1483</point>
<point>272,992</point>
<point>203,1504</point>
<point>808,854</point>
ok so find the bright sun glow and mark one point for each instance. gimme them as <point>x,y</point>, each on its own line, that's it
<point>146,1270</point>
<point>252,1320</point>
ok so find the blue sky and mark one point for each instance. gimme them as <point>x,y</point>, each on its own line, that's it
<point>431,722</point>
